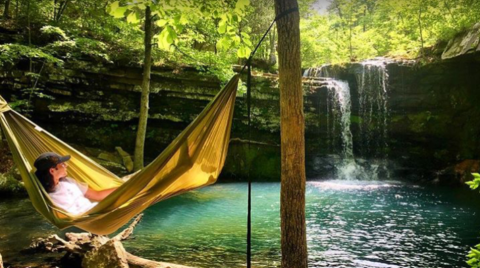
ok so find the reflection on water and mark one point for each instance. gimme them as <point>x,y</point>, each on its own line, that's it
<point>349,224</point>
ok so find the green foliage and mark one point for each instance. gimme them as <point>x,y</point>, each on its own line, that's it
<point>79,48</point>
<point>474,254</point>
<point>474,257</point>
<point>475,182</point>
<point>354,30</point>
<point>54,33</point>
<point>9,184</point>
<point>180,21</point>
<point>11,54</point>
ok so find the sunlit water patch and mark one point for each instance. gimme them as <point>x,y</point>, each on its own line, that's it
<point>349,224</point>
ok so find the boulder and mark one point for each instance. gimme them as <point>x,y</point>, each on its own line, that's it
<point>458,174</point>
<point>464,170</point>
<point>463,43</point>
<point>112,157</point>
<point>110,255</point>
<point>126,158</point>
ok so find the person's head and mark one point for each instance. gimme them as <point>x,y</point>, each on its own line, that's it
<point>51,167</point>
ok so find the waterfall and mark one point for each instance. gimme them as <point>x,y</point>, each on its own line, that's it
<point>372,138</point>
<point>339,106</point>
<point>373,110</point>
<point>338,114</point>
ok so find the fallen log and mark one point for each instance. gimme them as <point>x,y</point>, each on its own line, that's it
<point>99,251</point>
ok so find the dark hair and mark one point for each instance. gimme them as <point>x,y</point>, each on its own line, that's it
<point>46,179</point>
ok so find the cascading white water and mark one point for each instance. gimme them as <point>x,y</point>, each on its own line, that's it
<point>339,106</point>
<point>373,108</point>
<point>373,112</point>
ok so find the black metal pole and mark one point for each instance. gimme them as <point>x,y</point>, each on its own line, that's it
<point>249,220</point>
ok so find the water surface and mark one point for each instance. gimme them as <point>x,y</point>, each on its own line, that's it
<point>349,224</point>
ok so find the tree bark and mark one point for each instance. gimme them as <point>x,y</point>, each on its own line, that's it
<point>1,141</point>
<point>273,58</point>
<point>58,12</point>
<point>292,197</point>
<point>144,103</point>
<point>420,28</point>
<point>30,68</point>
<point>6,10</point>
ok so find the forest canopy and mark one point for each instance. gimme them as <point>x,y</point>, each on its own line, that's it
<point>223,32</point>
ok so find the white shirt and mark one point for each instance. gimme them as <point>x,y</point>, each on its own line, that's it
<point>70,196</point>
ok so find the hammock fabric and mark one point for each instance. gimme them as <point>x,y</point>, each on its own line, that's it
<point>194,159</point>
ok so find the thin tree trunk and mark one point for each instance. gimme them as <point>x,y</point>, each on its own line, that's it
<point>60,10</point>
<point>273,57</point>
<point>6,10</point>
<point>1,143</point>
<point>142,122</point>
<point>292,197</point>
<point>29,34</point>
<point>365,19</point>
<point>420,27</point>
<point>350,41</point>
<point>55,2</point>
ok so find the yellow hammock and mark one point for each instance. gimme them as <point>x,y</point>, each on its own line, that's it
<point>194,159</point>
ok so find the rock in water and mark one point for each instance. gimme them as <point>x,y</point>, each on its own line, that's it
<point>110,255</point>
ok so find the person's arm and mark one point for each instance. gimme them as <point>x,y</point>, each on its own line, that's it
<point>98,195</point>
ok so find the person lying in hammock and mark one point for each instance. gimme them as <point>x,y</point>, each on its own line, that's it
<point>67,193</point>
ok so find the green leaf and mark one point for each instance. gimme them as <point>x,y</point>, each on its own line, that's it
<point>241,52</point>
<point>241,4</point>
<point>236,40</point>
<point>166,38</point>
<point>132,18</point>
<point>114,6</point>
<point>224,43</point>
<point>183,20</point>
<point>248,51</point>
<point>222,26</point>
<point>161,23</point>
<point>118,12</point>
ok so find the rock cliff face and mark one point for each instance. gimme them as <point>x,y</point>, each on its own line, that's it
<point>424,118</point>
<point>95,107</point>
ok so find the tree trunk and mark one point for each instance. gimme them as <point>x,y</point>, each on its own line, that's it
<point>6,10</point>
<point>98,251</point>
<point>142,122</point>
<point>292,198</point>
<point>273,58</point>
<point>365,19</point>
<point>58,12</point>
<point>1,141</point>
<point>420,28</point>
<point>29,35</point>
